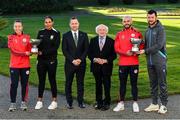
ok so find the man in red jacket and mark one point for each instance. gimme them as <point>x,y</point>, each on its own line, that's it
<point>20,47</point>
<point>128,62</point>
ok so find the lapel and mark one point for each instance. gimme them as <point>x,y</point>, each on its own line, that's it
<point>79,38</point>
<point>71,38</point>
<point>106,43</point>
<point>97,43</point>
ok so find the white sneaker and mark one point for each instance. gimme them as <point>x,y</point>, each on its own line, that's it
<point>39,105</point>
<point>152,107</point>
<point>119,107</point>
<point>135,107</point>
<point>53,105</point>
<point>162,109</point>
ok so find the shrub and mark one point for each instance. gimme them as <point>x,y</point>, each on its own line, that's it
<point>3,42</point>
<point>34,6</point>
<point>128,2</point>
<point>151,1</point>
<point>3,23</point>
<point>172,1</point>
<point>104,2</point>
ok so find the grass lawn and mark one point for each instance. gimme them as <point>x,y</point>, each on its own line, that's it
<point>89,17</point>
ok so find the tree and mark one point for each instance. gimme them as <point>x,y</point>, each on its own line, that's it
<point>172,1</point>
<point>104,2</point>
<point>151,1</point>
<point>3,39</point>
<point>3,23</point>
<point>34,6</point>
<point>128,2</point>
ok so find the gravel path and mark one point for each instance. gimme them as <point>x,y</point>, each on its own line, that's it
<point>63,113</point>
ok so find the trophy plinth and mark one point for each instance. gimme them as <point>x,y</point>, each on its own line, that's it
<point>136,42</point>
<point>35,43</point>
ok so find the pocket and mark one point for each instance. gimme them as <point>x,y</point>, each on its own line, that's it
<point>162,54</point>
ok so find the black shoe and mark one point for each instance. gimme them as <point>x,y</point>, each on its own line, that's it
<point>105,107</point>
<point>69,106</point>
<point>82,105</point>
<point>98,106</point>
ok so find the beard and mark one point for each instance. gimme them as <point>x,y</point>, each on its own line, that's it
<point>126,26</point>
<point>152,23</point>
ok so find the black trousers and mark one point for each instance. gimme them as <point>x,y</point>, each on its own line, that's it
<point>124,71</point>
<point>102,81</point>
<point>157,76</point>
<point>17,74</point>
<point>69,73</point>
<point>43,67</point>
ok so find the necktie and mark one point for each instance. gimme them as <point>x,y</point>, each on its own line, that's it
<point>101,44</point>
<point>75,39</point>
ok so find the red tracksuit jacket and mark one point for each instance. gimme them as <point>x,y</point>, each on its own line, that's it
<point>19,45</point>
<point>123,44</point>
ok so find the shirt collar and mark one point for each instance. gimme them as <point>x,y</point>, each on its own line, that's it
<point>104,38</point>
<point>75,32</point>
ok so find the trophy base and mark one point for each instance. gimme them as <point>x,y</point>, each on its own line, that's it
<point>135,49</point>
<point>34,50</point>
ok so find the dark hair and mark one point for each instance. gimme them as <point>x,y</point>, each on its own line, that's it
<point>18,20</point>
<point>49,17</point>
<point>152,12</point>
<point>73,18</point>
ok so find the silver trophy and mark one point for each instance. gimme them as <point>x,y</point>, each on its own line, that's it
<point>136,43</point>
<point>35,43</point>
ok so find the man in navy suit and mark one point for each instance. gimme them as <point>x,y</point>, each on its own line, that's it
<point>75,46</point>
<point>101,54</point>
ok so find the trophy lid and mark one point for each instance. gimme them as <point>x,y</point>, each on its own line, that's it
<point>135,40</point>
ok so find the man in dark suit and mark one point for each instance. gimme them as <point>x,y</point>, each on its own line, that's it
<point>75,46</point>
<point>101,54</point>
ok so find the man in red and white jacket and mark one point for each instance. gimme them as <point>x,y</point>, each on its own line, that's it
<point>128,62</point>
<point>20,47</point>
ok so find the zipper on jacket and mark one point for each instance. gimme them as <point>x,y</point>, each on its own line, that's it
<point>150,40</point>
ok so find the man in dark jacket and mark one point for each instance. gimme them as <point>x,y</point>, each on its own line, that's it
<point>75,45</point>
<point>101,55</point>
<point>155,50</point>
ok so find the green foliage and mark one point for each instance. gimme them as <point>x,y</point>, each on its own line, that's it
<point>3,42</point>
<point>172,1</point>
<point>3,23</point>
<point>151,1</point>
<point>104,2</point>
<point>33,6</point>
<point>128,2</point>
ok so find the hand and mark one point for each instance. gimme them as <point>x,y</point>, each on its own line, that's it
<point>96,60</point>
<point>141,51</point>
<point>79,61</point>
<point>27,53</point>
<point>39,53</point>
<point>104,61</point>
<point>75,62</point>
<point>129,53</point>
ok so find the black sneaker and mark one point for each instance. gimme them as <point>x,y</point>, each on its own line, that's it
<point>81,105</point>
<point>69,106</point>
<point>105,107</point>
<point>97,106</point>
